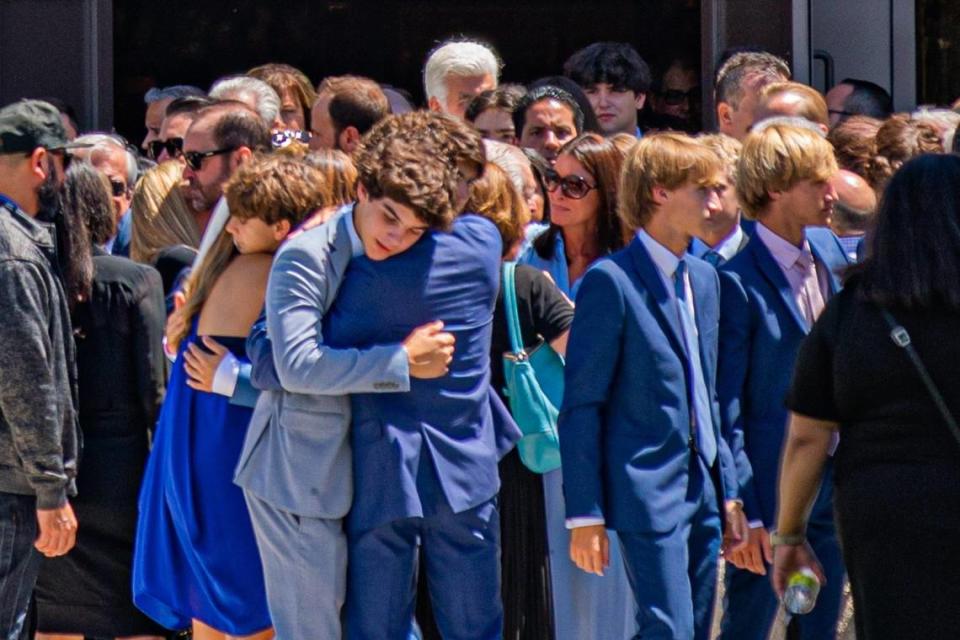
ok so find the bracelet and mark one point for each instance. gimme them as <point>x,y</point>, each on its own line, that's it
<point>787,540</point>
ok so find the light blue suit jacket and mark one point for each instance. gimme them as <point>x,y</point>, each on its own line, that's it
<point>625,422</point>
<point>296,455</point>
<point>440,443</point>
<point>761,329</point>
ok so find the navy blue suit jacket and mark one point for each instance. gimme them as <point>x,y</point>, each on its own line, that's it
<point>625,422</point>
<point>760,332</point>
<point>453,277</point>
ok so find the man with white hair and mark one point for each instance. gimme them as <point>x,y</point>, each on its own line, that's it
<point>458,71</point>
<point>256,94</point>
<point>110,156</point>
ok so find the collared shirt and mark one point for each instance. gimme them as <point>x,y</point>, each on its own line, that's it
<point>556,266</point>
<point>726,248</point>
<point>786,256</point>
<point>850,245</point>
<point>356,244</point>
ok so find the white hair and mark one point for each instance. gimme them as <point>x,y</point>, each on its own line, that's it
<point>462,58</point>
<point>509,158</point>
<point>945,121</point>
<point>104,143</point>
<point>258,94</point>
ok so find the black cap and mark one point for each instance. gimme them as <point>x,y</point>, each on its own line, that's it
<point>29,124</point>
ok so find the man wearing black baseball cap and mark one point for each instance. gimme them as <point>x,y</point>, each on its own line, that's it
<point>39,439</point>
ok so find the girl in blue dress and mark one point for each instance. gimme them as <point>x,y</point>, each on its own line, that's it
<point>196,562</point>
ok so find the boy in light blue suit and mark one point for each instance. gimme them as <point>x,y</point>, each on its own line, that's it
<point>772,292</point>
<point>639,426</point>
<point>296,464</point>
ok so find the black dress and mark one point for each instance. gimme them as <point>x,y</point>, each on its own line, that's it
<point>544,313</point>
<point>897,469</point>
<point>120,367</point>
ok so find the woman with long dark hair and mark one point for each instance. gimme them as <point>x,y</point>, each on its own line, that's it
<point>897,467</point>
<point>117,313</point>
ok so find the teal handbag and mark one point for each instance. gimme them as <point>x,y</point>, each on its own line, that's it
<point>534,379</point>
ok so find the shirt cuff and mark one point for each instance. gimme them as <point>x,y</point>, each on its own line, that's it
<point>225,377</point>
<point>755,524</point>
<point>575,523</point>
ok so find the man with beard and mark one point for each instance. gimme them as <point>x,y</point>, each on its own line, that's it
<point>38,422</point>
<point>218,141</point>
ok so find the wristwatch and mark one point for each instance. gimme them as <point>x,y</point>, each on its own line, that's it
<point>789,540</point>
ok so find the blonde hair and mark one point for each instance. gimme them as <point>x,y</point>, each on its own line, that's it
<point>727,149</point>
<point>201,281</point>
<point>161,217</point>
<point>338,170</point>
<point>494,197</point>
<point>777,158</point>
<point>668,160</point>
<point>812,105</point>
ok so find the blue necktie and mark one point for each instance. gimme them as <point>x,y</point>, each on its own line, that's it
<point>699,399</point>
<point>713,258</point>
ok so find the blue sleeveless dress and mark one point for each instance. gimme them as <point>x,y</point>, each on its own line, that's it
<point>195,554</point>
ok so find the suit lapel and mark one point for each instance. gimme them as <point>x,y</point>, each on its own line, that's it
<point>664,308</point>
<point>822,255</point>
<point>770,270</point>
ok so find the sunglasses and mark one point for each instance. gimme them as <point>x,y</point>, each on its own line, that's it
<point>174,147</point>
<point>674,97</point>
<point>117,188</point>
<point>572,186</point>
<point>195,158</point>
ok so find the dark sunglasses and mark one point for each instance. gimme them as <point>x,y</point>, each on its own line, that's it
<point>572,186</point>
<point>174,147</point>
<point>117,188</point>
<point>195,158</point>
<point>674,97</point>
<point>63,153</point>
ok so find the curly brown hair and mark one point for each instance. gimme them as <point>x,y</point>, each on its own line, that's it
<point>276,187</point>
<point>853,140</point>
<point>418,159</point>
<point>898,139</point>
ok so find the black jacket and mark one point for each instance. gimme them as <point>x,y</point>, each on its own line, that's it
<point>39,438</point>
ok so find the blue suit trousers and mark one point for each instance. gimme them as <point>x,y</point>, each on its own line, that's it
<point>674,573</point>
<point>750,605</point>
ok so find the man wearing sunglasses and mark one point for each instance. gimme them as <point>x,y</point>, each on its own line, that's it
<point>180,113</point>
<point>676,102</point>
<point>38,421</point>
<point>110,156</point>
<point>219,140</point>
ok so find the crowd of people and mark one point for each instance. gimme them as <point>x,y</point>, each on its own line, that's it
<point>257,369</point>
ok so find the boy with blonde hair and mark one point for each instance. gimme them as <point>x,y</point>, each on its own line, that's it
<point>640,439</point>
<point>773,291</point>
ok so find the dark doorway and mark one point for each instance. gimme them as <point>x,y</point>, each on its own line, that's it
<point>179,42</point>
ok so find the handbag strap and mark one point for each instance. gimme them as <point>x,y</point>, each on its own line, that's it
<point>902,339</point>
<point>510,306</point>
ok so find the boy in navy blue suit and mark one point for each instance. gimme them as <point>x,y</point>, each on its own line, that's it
<point>639,427</point>
<point>773,291</point>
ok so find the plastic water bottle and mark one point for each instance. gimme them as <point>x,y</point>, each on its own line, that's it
<point>801,593</point>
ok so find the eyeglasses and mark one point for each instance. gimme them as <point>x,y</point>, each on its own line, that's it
<point>195,158</point>
<point>572,186</point>
<point>117,188</point>
<point>674,97</point>
<point>174,147</point>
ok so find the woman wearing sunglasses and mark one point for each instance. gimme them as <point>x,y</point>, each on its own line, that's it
<point>584,227</point>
